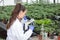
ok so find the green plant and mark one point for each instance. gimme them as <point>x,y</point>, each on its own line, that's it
<point>46,23</point>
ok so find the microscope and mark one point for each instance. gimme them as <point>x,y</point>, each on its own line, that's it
<point>26,21</point>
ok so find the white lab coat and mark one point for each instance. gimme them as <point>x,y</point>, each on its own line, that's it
<point>16,32</point>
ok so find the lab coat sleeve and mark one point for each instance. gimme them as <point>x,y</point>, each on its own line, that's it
<point>19,33</point>
<point>28,34</point>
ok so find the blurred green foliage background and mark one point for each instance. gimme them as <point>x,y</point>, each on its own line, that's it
<point>42,13</point>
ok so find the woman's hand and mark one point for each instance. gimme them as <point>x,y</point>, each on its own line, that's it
<point>31,27</point>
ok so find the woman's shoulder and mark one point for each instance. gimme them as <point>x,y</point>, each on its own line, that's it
<point>16,25</point>
<point>16,22</point>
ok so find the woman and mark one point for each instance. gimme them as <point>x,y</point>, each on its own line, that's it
<point>15,26</point>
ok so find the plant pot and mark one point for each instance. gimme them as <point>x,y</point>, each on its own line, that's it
<point>39,37</point>
<point>58,37</point>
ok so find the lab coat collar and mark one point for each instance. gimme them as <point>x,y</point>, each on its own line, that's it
<point>19,19</point>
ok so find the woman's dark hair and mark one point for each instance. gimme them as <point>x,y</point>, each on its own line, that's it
<point>14,14</point>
